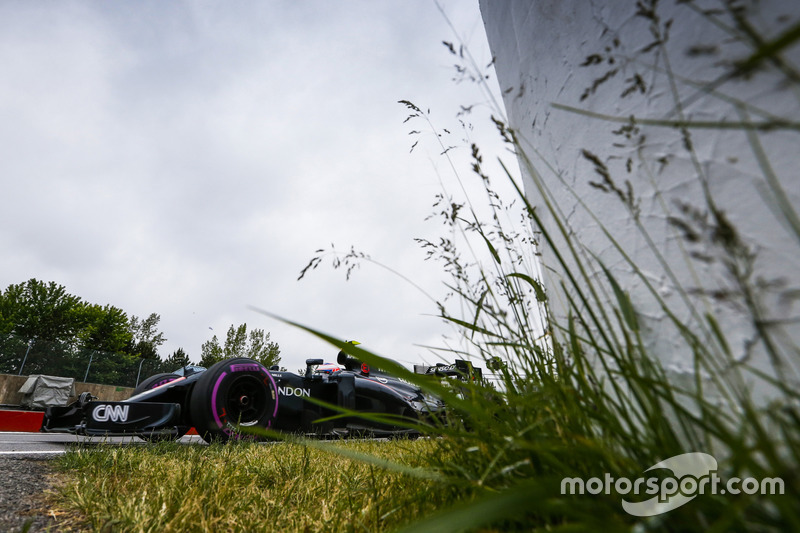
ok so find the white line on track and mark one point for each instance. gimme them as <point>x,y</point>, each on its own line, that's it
<point>33,452</point>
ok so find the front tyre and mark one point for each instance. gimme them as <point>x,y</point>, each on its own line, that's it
<point>154,381</point>
<point>232,396</point>
<point>151,383</point>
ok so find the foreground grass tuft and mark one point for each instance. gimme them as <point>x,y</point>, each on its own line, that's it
<point>243,487</point>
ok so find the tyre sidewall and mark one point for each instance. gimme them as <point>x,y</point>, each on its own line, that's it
<point>208,403</point>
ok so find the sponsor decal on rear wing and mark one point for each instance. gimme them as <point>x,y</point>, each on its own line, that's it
<point>460,369</point>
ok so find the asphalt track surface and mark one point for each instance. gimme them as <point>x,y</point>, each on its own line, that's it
<point>26,473</point>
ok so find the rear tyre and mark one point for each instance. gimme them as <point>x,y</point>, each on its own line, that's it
<point>231,397</point>
<point>151,383</point>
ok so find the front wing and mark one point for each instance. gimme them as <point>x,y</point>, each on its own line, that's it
<point>114,418</point>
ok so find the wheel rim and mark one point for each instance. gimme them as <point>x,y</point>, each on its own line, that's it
<point>246,401</point>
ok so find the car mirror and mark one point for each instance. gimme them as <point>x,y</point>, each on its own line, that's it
<point>311,363</point>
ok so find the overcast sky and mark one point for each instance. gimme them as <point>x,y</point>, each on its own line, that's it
<point>188,158</point>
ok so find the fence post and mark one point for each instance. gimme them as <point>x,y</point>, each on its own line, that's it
<point>91,356</point>
<point>30,343</point>
<point>139,373</point>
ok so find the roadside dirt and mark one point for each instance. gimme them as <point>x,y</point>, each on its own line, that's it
<point>24,495</point>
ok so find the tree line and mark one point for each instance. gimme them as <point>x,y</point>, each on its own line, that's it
<point>55,332</point>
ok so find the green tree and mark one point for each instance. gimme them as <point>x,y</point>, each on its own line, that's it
<point>177,360</point>
<point>211,352</point>
<point>38,323</point>
<point>103,338</point>
<point>145,336</point>
<point>103,328</point>
<point>238,343</point>
<point>35,309</point>
<point>44,329</point>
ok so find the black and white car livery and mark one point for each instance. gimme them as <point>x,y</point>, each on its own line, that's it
<point>221,403</point>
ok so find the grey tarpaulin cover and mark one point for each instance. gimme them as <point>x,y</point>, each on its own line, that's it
<point>45,391</point>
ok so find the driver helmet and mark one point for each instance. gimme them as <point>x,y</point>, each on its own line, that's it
<point>328,368</point>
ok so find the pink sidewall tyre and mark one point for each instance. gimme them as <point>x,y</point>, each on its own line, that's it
<point>231,398</point>
<point>154,381</point>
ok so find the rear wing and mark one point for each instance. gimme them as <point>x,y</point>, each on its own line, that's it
<point>460,369</point>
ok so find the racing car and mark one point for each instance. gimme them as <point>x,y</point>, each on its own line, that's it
<point>226,400</point>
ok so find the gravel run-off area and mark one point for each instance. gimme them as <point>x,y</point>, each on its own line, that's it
<point>22,494</point>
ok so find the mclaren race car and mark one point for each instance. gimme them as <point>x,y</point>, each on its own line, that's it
<point>224,401</point>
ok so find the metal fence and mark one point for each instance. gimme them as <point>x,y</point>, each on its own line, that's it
<point>36,356</point>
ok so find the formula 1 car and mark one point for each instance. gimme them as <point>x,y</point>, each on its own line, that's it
<point>222,402</point>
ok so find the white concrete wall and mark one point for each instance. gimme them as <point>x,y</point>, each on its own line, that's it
<point>541,49</point>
